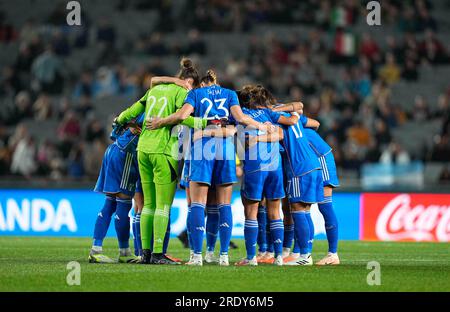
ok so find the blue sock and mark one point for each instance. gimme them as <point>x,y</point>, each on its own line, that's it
<point>311,231</point>
<point>104,220</point>
<point>277,231</point>
<point>197,222</point>
<point>288,236</point>
<point>137,234</point>
<point>262,224</point>
<point>225,227</point>
<point>212,226</point>
<point>122,222</point>
<point>296,247</point>
<point>251,235</point>
<point>331,223</point>
<point>166,238</point>
<point>269,239</point>
<point>301,227</point>
<point>188,228</point>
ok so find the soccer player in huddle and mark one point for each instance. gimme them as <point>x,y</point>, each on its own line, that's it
<point>217,166</point>
<point>119,181</point>
<point>263,178</point>
<point>302,170</point>
<point>157,159</point>
<point>330,181</point>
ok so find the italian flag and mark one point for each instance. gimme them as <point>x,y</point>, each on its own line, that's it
<point>345,43</point>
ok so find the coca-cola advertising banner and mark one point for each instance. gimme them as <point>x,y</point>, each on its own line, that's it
<point>405,217</point>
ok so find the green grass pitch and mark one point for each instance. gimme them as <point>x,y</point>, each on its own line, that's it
<point>39,264</point>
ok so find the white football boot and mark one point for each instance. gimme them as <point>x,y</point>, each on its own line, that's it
<point>302,260</point>
<point>210,257</point>
<point>330,259</point>
<point>278,260</point>
<point>223,260</point>
<point>246,262</point>
<point>196,260</point>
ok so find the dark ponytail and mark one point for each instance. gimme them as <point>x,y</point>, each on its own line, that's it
<point>187,70</point>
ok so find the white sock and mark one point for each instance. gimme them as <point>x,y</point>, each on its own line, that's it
<point>125,251</point>
<point>97,249</point>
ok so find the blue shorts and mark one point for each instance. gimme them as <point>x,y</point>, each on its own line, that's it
<point>306,189</point>
<point>259,184</point>
<point>216,165</point>
<point>119,172</point>
<point>329,172</point>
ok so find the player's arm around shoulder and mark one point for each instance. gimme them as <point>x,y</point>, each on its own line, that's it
<point>134,110</point>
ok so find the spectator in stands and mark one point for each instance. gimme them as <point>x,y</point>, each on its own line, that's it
<point>42,108</point>
<point>60,44</point>
<point>20,110</point>
<point>443,106</point>
<point>93,156</point>
<point>373,152</point>
<point>390,71</point>
<point>7,31</point>
<point>86,86</point>
<point>24,157</point>
<point>395,154</point>
<point>63,108</point>
<point>382,133</point>
<point>445,175</point>
<point>421,111</point>
<point>95,130</point>
<point>46,152</point>
<point>84,107</point>
<point>69,131</point>
<point>106,82</point>
<point>425,20</point>
<point>156,46</point>
<point>5,152</point>
<point>432,50</point>
<point>24,60</point>
<point>359,134</point>
<point>75,166</point>
<point>10,82</point>
<point>58,16</point>
<point>410,72</point>
<point>369,48</point>
<point>441,149</point>
<point>47,69</point>
<point>106,32</point>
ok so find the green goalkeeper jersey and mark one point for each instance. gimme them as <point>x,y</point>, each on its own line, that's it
<point>160,101</point>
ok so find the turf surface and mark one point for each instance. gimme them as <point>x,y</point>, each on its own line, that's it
<point>39,264</point>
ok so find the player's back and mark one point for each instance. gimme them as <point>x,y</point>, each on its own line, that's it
<point>318,144</point>
<point>162,101</point>
<point>299,156</point>
<point>263,155</point>
<point>212,102</point>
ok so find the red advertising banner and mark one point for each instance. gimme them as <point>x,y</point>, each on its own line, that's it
<point>405,217</point>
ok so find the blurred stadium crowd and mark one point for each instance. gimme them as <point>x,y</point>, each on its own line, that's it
<point>370,87</point>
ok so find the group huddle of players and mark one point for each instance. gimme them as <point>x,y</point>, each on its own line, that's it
<point>192,122</point>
